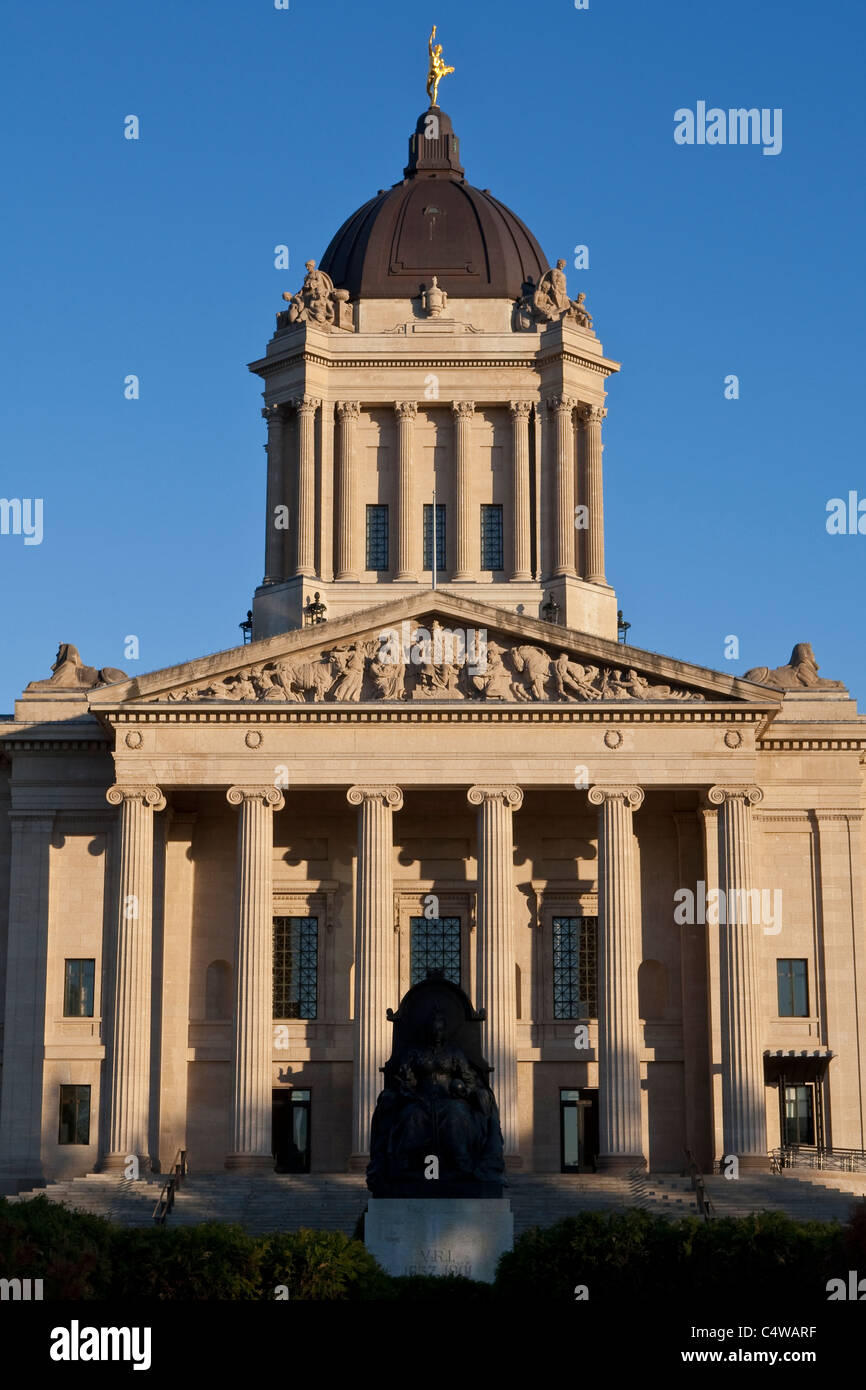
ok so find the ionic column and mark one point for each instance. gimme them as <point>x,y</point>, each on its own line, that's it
<point>24,1016</point>
<point>468,538</point>
<point>520,490</point>
<point>497,993</point>
<point>744,1116</point>
<point>252,1026</point>
<point>274,536</point>
<point>307,407</point>
<point>562,407</point>
<point>128,1068</point>
<point>592,416</point>
<point>348,413</point>
<point>620,1143</point>
<point>376,984</point>
<point>407,540</point>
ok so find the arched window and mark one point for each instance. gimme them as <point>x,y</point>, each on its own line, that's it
<point>218,990</point>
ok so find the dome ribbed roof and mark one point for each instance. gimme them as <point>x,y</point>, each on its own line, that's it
<point>434,223</point>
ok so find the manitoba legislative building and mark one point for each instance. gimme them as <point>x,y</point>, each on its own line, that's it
<point>434,753</point>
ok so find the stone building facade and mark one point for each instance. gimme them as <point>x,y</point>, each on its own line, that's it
<point>434,753</point>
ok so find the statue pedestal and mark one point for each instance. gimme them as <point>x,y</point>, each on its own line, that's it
<point>446,1235</point>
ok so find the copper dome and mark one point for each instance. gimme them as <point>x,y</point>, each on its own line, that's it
<point>434,223</point>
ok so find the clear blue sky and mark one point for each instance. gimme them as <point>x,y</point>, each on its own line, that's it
<point>261,126</point>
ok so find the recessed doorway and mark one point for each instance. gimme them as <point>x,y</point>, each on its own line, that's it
<point>291,1131</point>
<point>578,1129</point>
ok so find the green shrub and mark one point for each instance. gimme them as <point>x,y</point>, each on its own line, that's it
<point>319,1266</point>
<point>70,1251</point>
<point>211,1261</point>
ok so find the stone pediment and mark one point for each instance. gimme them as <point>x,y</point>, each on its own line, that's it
<point>434,647</point>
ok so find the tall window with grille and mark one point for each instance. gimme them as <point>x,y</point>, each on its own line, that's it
<point>296,969</point>
<point>792,983</point>
<point>440,536</point>
<point>434,944</point>
<point>377,538</point>
<point>574,967</point>
<point>491,537</point>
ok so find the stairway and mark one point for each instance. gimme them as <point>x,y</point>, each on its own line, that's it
<point>334,1201</point>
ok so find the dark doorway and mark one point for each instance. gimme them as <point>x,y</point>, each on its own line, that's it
<point>578,1129</point>
<point>291,1131</point>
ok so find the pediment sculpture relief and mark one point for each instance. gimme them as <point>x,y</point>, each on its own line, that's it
<point>436,663</point>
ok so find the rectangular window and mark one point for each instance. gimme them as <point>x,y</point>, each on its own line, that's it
<point>799,1115</point>
<point>440,536</point>
<point>434,944</point>
<point>78,989</point>
<point>377,538</point>
<point>74,1115</point>
<point>296,966</point>
<point>793,988</point>
<point>574,967</point>
<point>491,537</point>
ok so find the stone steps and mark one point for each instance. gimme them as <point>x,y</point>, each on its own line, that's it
<point>334,1201</point>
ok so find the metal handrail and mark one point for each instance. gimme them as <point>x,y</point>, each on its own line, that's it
<point>819,1159</point>
<point>165,1200</point>
<point>702,1200</point>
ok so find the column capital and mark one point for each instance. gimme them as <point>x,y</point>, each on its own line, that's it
<point>512,797</point>
<point>561,404</point>
<point>391,797</point>
<point>717,796</point>
<point>268,796</point>
<point>306,405</point>
<point>151,797</point>
<point>592,414</point>
<point>406,410</point>
<point>463,410</point>
<point>349,410</point>
<point>520,409</point>
<point>273,414</point>
<point>632,796</point>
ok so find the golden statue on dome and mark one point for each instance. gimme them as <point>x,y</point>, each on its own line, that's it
<point>437,71</point>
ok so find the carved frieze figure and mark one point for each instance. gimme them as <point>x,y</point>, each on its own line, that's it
<point>389,678</point>
<point>800,673</point>
<point>351,665</point>
<point>70,673</point>
<point>496,681</point>
<point>436,1101</point>
<point>434,299</point>
<point>534,665</point>
<point>571,680</point>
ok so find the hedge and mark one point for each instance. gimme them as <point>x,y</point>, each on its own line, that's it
<point>614,1255</point>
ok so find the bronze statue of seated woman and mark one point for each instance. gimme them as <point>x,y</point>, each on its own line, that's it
<point>435,1131</point>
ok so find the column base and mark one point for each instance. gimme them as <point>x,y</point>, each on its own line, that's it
<point>115,1163</point>
<point>620,1163</point>
<point>358,1163</point>
<point>250,1163</point>
<point>753,1163</point>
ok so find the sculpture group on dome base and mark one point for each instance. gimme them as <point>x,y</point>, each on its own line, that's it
<point>548,302</point>
<point>435,1131</point>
